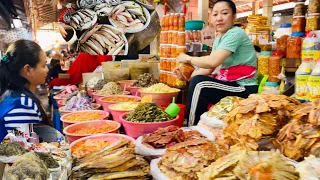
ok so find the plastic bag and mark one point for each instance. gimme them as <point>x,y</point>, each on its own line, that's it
<point>212,124</point>
<point>143,150</point>
<point>55,172</point>
<point>223,107</point>
<point>186,70</point>
<point>8,159</point>
<point>155,171</point>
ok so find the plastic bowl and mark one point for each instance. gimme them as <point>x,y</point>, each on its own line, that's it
<point>107,137</point>
<point>160,98</point>
<point>194,25</point>
<point>126,83</point>
<point>117,113</point>
<point>134,90</point>
<point>136,129</point>
<point>106,104</point>
<point>66,123</point>
<point>61,103</point>
<point>96,96</point>
<point>63,112</point>
<point>74,127</point>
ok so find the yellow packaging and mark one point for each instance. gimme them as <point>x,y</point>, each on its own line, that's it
<point>302,80</point>
<point>314,83</point>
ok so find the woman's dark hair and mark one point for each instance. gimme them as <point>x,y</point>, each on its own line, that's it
<point>230,4</point>
<point>19,54</point>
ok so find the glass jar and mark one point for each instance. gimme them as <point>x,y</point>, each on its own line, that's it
<point>263,62</point>
<point>181,49</point>
<point>298,24</point>
<point>313,22</point>
<point>274,66</point>
<point>294,45</point>
<point>174,51</point>
<point>314,6</point>
<point>282,43</point>
<point>176,22</point>
<point>299,9</point>
<point>181,39</point>
<point>164,37</point>
<point>174,35</point>
<point>182,21</point>
<point>170,37</point>
<point>171,19</point>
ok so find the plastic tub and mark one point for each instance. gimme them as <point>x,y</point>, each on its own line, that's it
<point>61,103</point>
<point>74,127</point>
<point>134,90</point>
<point>96,96</point>
<point>66,123</point>
<point>135,129</point>
<point>105,104</point>
<point>126,83</point>
<point>117,113</point>
<point>194,25</point>
<point>63,112</point>
<point>107,137</point>
<point>181,114</point>
<point>161,98</point>
<point>88,76</point>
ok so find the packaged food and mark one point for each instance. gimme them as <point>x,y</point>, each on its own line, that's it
<point>173,51</point>
<point>265,47</point>
<point>313,22</point>
<point>274,66</point>
<point>167,51</point>
<point>163,77</point>
<point>162,64</point>
<point>186,70</point>
<point>180,84</point>
<point>182,20</point>
<point>165,22</point>
<point>263,62</point>
<point>282,43</point>
<point>181,39</point>
<point>164,37</point>
<point>195,36</point>
<point>174,39</point>
<point>302,76</point>
<point>138,68</point>
<point>311,48</point>
<point>299,9</point>
<point>170,38</point>
<point>181,49</point>
<point>171,19</point>
<point>294,45</point>
<point>314,6</point>
<point>168,67</point>
<point>176,22</point>
<point>298,24</point>
<point>162,50</point>
<point>173,64</point>
<point>189,37</point>
<point>314,82</point>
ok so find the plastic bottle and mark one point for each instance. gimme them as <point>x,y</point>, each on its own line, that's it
<point>314,82</point>
<point>302,79</point>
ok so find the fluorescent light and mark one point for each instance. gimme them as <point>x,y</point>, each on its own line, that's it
<point>17,23</point>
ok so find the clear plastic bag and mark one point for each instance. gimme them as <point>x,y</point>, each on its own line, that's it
<point>155,171</point>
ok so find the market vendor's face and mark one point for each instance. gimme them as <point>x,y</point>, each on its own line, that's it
<point>37,75</point>
<point>223,18</point>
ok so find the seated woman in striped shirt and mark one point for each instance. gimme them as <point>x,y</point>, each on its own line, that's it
<point>22,69</point>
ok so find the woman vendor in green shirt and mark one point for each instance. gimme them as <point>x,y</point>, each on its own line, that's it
<point>234,59</point>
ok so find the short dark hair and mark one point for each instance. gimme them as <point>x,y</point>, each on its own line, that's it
<point>230,4</point>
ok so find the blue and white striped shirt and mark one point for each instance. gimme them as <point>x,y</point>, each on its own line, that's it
<point>17,111</point>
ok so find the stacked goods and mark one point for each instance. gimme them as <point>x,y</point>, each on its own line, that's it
<point>114,161</point>
<point>300,137</point>
<point>257,29</point>
<point>172,43</point>
<point>250,165</point>
<point>184,160</point>
<point>257,119</point>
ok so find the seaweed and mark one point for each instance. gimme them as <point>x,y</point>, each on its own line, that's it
<point>12,149</point>
<point>148,112</point>
<point>48,160</point>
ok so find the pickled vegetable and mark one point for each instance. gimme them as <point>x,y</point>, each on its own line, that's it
<point>171,19</point>
<point>174,34</point>
<point>164,37</point>
<point>181,38</point>
<point>182,21</point>
<point>173,51</point>
<point>148,112</point>
<point>176,22</point>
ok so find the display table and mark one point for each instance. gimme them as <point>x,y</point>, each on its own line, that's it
<point>55,112</point>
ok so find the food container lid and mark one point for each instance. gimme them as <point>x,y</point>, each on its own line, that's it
<point>286,25</point>
<point>272,84</point>
<point>278,53</point>
<point>266,53</point>
<point>313,14</point>
<point>297,34</point>
<point>294,17</point>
